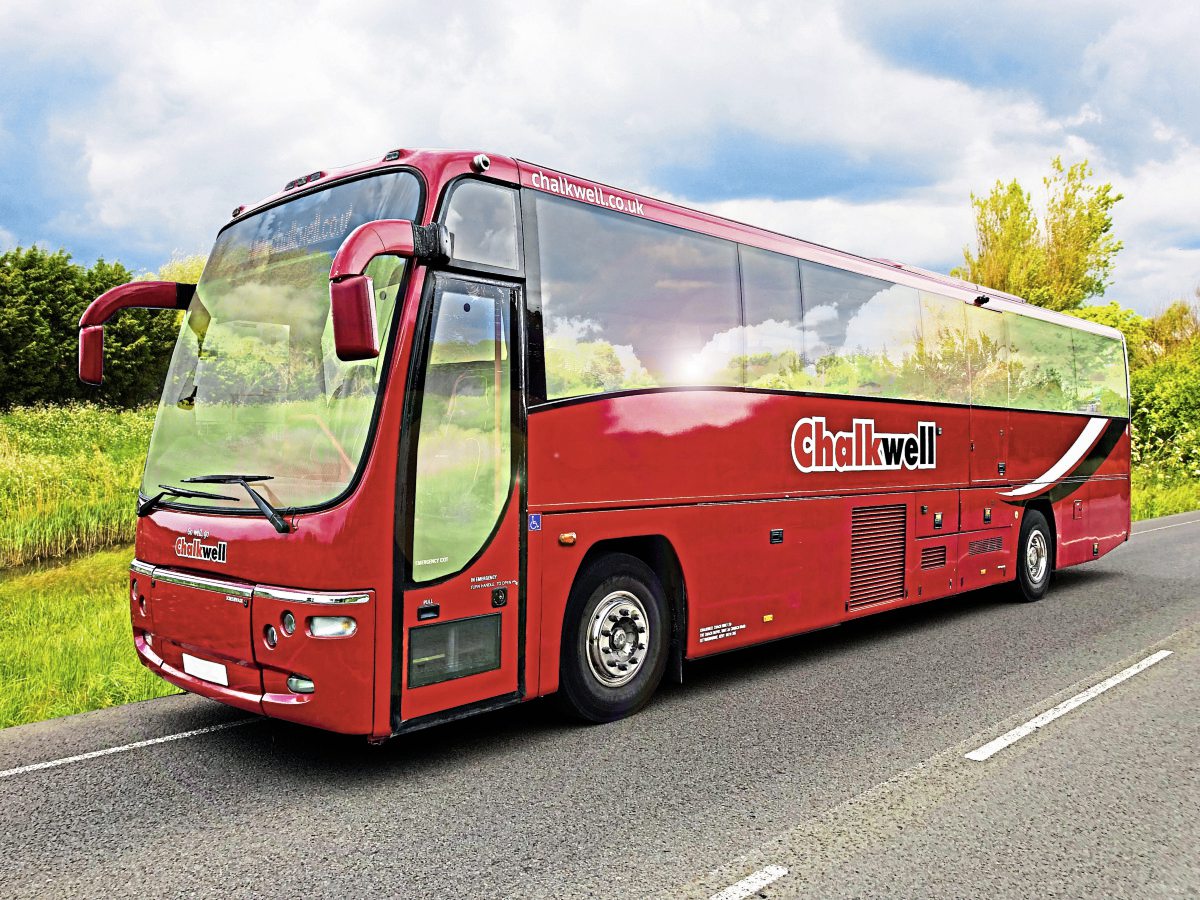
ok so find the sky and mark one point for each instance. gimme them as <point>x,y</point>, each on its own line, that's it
<point>130,131</point>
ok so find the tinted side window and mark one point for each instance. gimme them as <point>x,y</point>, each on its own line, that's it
<point>483,219</point>
<point>1100,374</point>
<point>987,356</point>
<point>628,303</point>
<point>774,333</point>
<point>860,333</point>
<point>1041,364</point>
<point>941,355</point>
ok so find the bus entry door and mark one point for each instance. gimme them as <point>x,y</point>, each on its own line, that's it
<point>462,599</point>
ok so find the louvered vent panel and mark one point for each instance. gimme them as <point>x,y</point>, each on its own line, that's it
<point>877,535</point>
<point>985,545</point>
<point>933,557</point>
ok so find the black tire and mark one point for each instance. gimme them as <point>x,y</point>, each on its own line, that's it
<point>591,686</point>
<point>1035,557</point>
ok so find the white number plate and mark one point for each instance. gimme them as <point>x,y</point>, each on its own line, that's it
<point>202,668</point>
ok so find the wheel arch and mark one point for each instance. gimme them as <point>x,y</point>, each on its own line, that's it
<point>1043,505</point>
<point>657,552</point>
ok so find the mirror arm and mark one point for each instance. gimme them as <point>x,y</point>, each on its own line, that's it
<point>425,243</point>
<point>137,294</point>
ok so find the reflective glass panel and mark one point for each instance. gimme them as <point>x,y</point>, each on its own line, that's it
<point>463,444</point>
<point>628,303</point>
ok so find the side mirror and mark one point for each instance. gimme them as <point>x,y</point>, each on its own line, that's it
<point>351,294</point>
<point>135,295</point>
<point>355,329</point>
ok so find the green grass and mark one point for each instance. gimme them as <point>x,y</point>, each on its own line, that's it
<point>1162,492</point>
<point>68,479</point>
<point>65,640</point>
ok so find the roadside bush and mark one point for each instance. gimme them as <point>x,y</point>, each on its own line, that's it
<point>42,296</point>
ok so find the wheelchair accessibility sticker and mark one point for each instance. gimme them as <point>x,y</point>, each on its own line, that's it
<point>535,521</point>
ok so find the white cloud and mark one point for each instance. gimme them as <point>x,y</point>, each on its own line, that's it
<point>8,240</point>
<point>205,111</point>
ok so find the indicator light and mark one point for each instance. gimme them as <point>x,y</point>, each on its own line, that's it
<point>271,635</point>
<point>331,626</point>
<point>289,623</point>
<point>392,155</point>
<point>567,538</point>
<point>481,163</point>
<point>237,211</point>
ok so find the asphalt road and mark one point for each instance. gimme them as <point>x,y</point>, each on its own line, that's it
<point>838,756</point>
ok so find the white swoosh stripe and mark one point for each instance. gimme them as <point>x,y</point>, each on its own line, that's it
<point>1086,440</point>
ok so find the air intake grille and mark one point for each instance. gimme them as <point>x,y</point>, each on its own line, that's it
<point>986,545</point>
<point>933,557</point>
<point>877,535</point>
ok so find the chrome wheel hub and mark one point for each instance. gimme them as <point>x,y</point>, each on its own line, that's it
<point>617,637</point>
<point>1037,556</point>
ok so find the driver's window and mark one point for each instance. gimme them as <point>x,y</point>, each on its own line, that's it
<point>463,442</point>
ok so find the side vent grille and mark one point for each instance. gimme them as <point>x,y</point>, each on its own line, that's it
<point>985,545</point>
<point>877,536</point>
<point>933,557</point>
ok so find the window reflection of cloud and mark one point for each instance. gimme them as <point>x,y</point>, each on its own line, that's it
<point>886,323</point>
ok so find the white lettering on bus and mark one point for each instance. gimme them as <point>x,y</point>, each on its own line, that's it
<point>565,187</point>
<point>194,549</point>
<point>817,449</point>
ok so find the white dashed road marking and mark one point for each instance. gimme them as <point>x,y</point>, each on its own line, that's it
<point>55,763</point>
<point>751,884</point>
<point>993,747</point>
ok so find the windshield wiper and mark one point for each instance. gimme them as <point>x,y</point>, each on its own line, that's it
<point>145,507</point>
<point>260,501</point>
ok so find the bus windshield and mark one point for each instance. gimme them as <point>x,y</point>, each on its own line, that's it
<point>254,384</point>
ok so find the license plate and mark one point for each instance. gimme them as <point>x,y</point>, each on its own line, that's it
<point>208,671</point>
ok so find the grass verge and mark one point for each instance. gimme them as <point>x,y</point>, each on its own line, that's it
<point>1162,492</point>
<point>65,644</point>
<point>68,479</point>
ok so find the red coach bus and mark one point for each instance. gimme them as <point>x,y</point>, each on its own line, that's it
<point>447,432</point>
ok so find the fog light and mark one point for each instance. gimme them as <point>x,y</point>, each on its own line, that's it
<point>298,684</point>
<point>289,623</point>
<point>271,635</point>
<point>332,626</point>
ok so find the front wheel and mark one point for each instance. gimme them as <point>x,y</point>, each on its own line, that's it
<point>1035,557</point>
<point>615,639</point>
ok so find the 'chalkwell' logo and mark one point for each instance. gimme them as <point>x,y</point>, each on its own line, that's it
<point>193,549</point>
<point>817,449</point>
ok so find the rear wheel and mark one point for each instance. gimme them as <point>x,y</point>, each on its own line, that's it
<point>615,639</point>
<point>1035,556</point>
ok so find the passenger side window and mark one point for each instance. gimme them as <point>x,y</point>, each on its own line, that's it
<point>987,356</point>
<point>941,354</point>
<point>1100,374</point>
<point>1041,364</point>
<point>774,331</point>
<point>861,333</point>
<point>483,219</point>
<point>628,303</point>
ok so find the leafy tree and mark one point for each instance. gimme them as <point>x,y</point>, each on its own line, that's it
<point>1059,262</point>
<point>1166,411</point>
<point>181,268</point>
<point>1174,328</point>
<point>42,296</point>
